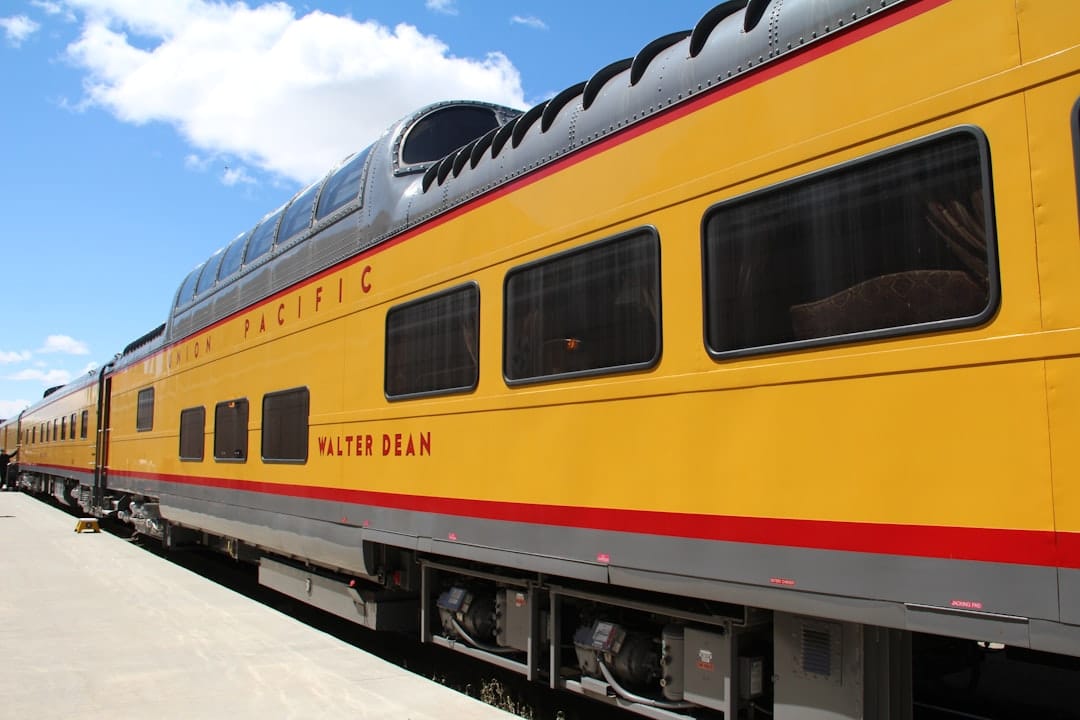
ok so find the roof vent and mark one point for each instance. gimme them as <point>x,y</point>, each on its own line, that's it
<point>557,103</point>
<point>597,82</point>
<point>650,51</point>
<point>755,10</point>
<point>709,21</point>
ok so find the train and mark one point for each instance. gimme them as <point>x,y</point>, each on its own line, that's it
<point>712,385</point>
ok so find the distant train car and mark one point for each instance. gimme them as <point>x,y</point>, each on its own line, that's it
<point>699,387</point>
<point>58,452</point>
<point>9,443</point>
<point>9,433</point>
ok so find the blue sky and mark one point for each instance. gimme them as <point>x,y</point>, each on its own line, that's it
<point>138,136</point>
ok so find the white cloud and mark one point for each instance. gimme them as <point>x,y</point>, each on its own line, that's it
<point>529,21</point>
<point>11,356</point>
<point>49,8</point>
<point>47,377</point>
<point>53,8</point>
<point>64,344</point>
<point>11,408</point>
<point>446,7</point>
<point>17,28</point>
<point>291,95</point>
<point>232,176</point>
<point>196,162</point>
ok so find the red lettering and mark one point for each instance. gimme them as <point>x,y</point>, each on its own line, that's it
<point>340,288</point>
<point>339,445</point>
<point>367,444</point>
<point>409,449</point>
<point>196,349</point>
<point>247,326</point>
<point>348,445</point>
<point>425,443</point>
<point>262,324</point>
<point>299,299</point>
<point>322,444</point>
<point>318,297</point>
<point>364,284</point>
<point>397,444</point>
<point>207,344</point>
<point>280,316</point>
<point>385,444</point>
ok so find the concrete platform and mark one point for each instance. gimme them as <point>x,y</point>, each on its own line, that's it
<point>94,627</point>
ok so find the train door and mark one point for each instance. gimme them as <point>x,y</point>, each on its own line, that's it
<point>101,443</point>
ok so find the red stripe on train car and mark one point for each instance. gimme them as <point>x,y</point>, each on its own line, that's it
<point>1019,547</point>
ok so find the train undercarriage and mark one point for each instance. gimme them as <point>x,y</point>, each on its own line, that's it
<point>650,654</point>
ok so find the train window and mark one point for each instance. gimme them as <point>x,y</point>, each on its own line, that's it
<point>84,424</point>
<point>591,310</point>
<point>63,428</point>
<point>230,431</point>
<point>192,433</point>
<point>898,242</point>
<point>72,426</point>
<point>343,186</point>
<point>439,133</point>
<point>187,290</point>
<point>431,344</point>
<point>298,216</point>
<point>285,425</point>
<point>233,257</point>
<point>209,274</point>
<point>262,239</point>
<point>144,415</point>
<point>33,435</point>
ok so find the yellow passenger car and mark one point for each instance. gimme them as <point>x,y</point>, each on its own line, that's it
<point>776,316</point>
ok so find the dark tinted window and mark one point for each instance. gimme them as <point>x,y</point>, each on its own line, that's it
<point>63,428</point>
<point>187,290</point>
<point>298,216</point>
<point>436,135</point>
<point>262,239</point>
<point>285,425</point>
<point>230,430</point>
<point>192,433</point>
<point>72,426</point>
<point>209,273</point>
<point>84,424</point>
<point>431,344</point>
<point>343,186</point>
<point>900,239</point>
<point>144,417</point>
<point>590,310</point>
<point>234,256</point>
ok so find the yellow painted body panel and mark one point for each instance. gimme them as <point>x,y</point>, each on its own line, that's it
<point>940,429</point>
<point>1052,135</point>
<point>1047,26</point>
<point>73,452</point>
<point>9,434</point>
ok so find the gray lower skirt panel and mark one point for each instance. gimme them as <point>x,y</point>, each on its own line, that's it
<point>980,600</point>
<point>83,478</point>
